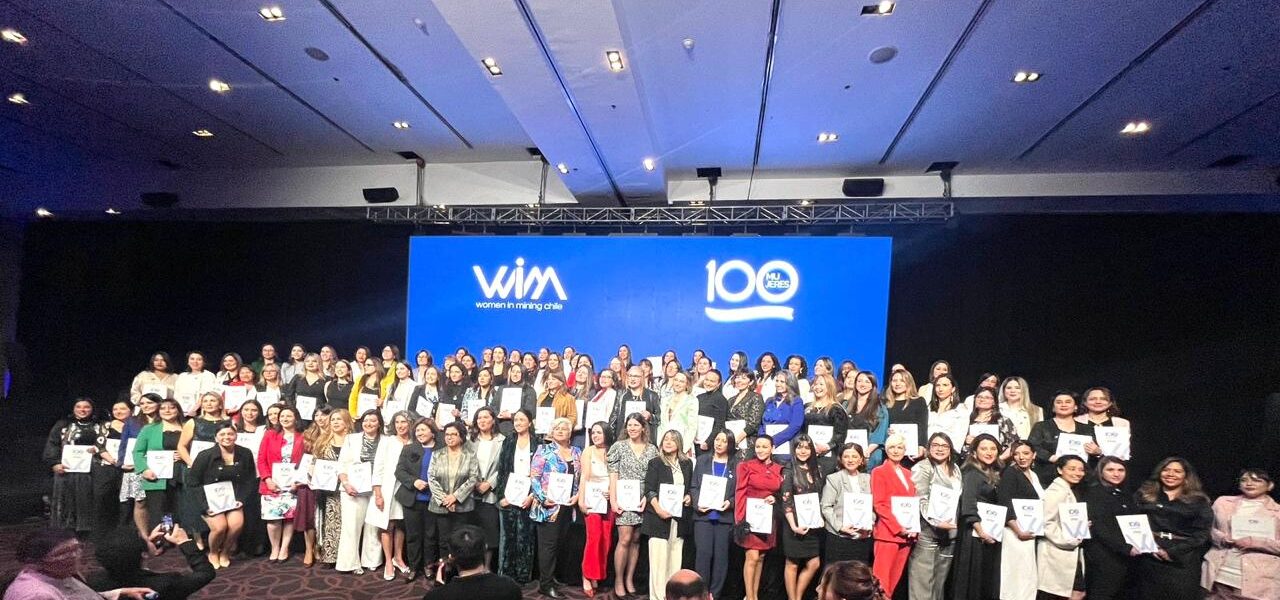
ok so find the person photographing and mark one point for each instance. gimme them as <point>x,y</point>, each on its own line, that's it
<point>467,551</point>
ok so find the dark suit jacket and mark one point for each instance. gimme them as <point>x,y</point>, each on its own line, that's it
<point>169,585</point>
<point>652,403</point>
<point>1014,486</point>
<point>407,470</point>
<point>657,474</point>
<point>703,467</point>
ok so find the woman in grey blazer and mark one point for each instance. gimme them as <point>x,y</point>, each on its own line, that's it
<point>931,558</point>
<point>846,542</point>
<point>453,476</point>
<point>486,443</point>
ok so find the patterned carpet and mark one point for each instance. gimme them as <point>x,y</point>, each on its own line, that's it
<point>257,578</point>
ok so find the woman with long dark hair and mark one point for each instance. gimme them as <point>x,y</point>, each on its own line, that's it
<point>486,442</point>
<point>1178,509</point>
<point>359,546</point>
<point>712,524</point>
<point>628,460</point>
<point>599,525</point>
<point>1061,572</point>
<point>157,378</point>
<point>930,560</point>
<point>759,478</point>
<point>279,498</point>
<point>224,462</point>
<point>861,398</point>
<point>1017,547</point>
<point>800,544</point>
<point>975,570</point>
<point>73,500</point>
<point>514,558</point>
<point>846,541</point>
<point>1107,556</point>
<point>413,468</point>
<point>1242,564</point>
<point>162,435</point>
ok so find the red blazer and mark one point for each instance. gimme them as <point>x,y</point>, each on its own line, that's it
<point>269,454</point>
<point>755,480</point>
<point>884,486</point>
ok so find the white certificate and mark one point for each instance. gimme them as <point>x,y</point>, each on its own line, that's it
<point>906,509</point>
<point>1113,441</point>
<point>1030,515</point>
<point>282,474</point>
<point>1260,526</point>
<point>161,463</point>
<point>269,397</point>
<point>773,430</point>
<point>631,407</point>
<point>517,490</point>
<point>1137,532</point>
<point>444,414</point>
<point>737,426</point>
<point>542,420</point>
<point>198,446</point>
<point>325,476</point>
<point>364,403</point>
<point>233,396</point>
<point>821,434</point>
<point>1072,443</point>
<point>705,425</point>
<point>360,476</point>
<point>858,511</point>
<point>158,389</point>
<point>910,433</point>
<point>808,510</point>
<point>1074,519</point>
<point>306,406</point>
<point>391,407</point>
<point>992,517</point>
<point>187,402</point>
<point>595,500</point>
<point>711,491</point>
<point>942,503</point>
<point>559,487</point>
<point>302,473</point>
<point>630,497</point>
<point>977,429</point>
<point>77,459</point>
<point>759,516</point>
<point>857,436</point>
<point>520,464</point>
<point>671,498</point>
<point>469,408</point>
<point>113,448</point>
<point>510,401</point>
<point>598,412</point>
<point>221,497</point>
<point>251,441</point>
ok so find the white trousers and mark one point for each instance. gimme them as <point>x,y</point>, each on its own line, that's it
<point>1018,574</point>
<point>664,560</point>
<point>358,544</point>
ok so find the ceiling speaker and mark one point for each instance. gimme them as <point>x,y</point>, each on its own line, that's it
<point>381,195</point>
<point>863,188</point>
<point>159,199</point>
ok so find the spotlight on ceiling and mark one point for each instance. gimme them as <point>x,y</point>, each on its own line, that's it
<point>43,213</point>
<point>13,36</point>
<point>112,211</point>
<point>219,86</point>
<point>491,65</point>
<point>1136,128</point>
<point>400,124</point>
<point>563,168</point>
<point>828,137</point>
<point>615,60</point>
<point>204,133</point>
<point>1026,77</point>
<point>18,98</point>
<point>649,164</point>
<point>879,9</point>
<point>271,14</point>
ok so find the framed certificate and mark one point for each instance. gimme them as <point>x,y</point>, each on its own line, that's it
<point>910,433</point>
<point>543,418</point>
<point>444,413</point>
<point>510,400</point>
<point>559,488</point>
<point>1113,441</point>
<point>595,500</point>
<point>234,396</point>
<point>821,434</point>
<point>306,406</point>
<point>198,446</point>
<point>282,474</point>
<point>759,516</point>
<point>857,436</point>
<point>160,462</point>
<point>364,403</point>
<point>634,407</point>
<point>269,397</point>
<point>943,502</point>
<point>773,430</point>
<point>517,489</point>
<point>705,425</point>
<point>325,476</point>
<point>1136,530</point>
<point>1072,443</point>
<point>360,476</point>
<point>158,389</point>
<point>1258,526</point>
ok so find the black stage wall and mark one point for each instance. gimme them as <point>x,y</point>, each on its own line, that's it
<point>1179,314</point>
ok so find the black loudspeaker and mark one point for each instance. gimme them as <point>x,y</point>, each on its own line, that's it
<point>381,195</point>
<point>863,188</point>
<point>159,199</point>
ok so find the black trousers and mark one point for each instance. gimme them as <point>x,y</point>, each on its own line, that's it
<point>842,548</point>
<point>421,537</point>
<point>1108,572</point>
<point>106,498</point>
<point>550,539</point>
<point>161,503</point>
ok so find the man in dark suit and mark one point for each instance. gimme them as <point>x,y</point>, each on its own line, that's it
<point>636,392</point>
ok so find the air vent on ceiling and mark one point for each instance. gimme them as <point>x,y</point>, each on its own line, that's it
<point>939,167</point>
<point>1229,160</point>
<point>409,155</point>
<point>534,152</point>
<point>168,164</point>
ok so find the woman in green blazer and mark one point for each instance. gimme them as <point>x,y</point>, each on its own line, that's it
<point>162,494</point>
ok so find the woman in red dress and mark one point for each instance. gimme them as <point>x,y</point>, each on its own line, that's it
<point>892,543</point>
<point>758,477</point>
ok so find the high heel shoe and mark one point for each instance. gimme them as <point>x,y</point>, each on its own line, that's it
<point>389,573</point>
<point>358,571</point>
<point>403,568</point>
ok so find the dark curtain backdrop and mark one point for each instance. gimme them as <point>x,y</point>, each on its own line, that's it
<point>1178,314</point>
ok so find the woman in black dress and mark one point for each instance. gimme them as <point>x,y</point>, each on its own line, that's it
<point>1180,515</point>
<point>907,407</point>
<point>1107,557</point>
<point>800,545</point>
<point>72,499</point>
<point>975,570</point>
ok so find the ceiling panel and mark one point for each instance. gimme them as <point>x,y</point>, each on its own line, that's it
<point>823,80</point>
<point>1196,81</point>
<point>978,116</point>
<point>1253,134</point>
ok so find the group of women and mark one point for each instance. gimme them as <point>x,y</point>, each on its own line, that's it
<point>375,461</point>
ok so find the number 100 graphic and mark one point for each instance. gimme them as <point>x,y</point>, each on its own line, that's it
<point>775,282</point>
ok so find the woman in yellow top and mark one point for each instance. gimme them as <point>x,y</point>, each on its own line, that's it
<point>372,381</point>
<point>557,396</point>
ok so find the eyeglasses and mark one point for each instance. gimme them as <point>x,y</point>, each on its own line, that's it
<point>946,446</point>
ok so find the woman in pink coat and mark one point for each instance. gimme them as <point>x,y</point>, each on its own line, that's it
<point>1240,565</point>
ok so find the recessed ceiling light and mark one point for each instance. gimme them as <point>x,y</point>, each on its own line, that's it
<point>401,124</point>
<point>688,43</point>
<point>697,203</point>
<point>18,98</point>
<point>827,137</point>
<point>615,60</point>
<point>271,14</point>
<point>491,65</point>
<point>202,133</point>
<point>43,213</point>
<point>563,168</point>
<point>649,164</point>
<point>219,86</point>
<point>112,211</point>
<point>1136,128</point>
<point>13,36</point>
<point>1026,77</point>
<point>531,205</point>
<point>882,8</point>
<point>806,202</point>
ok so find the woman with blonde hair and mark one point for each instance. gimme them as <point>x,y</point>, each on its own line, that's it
<point>907,407</point>
<point>1016,405</point>
<point>665,531</point>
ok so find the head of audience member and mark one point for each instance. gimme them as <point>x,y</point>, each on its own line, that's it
<point>53,552</point>
<point>687,585</point>
<point>849,580</point>
<point>467,548</point>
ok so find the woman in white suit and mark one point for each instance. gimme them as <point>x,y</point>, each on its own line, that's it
<point>358,546</point>
<point>1058,557</point>
<point>384,511</point>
